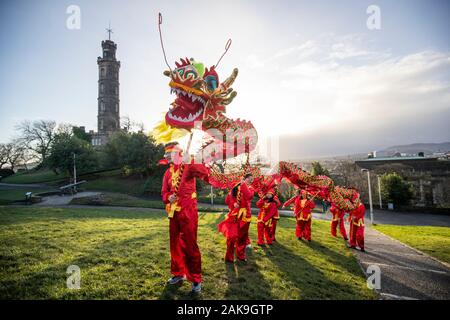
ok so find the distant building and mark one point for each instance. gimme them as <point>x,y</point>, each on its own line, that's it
<point>108,102</point>
<point>430,176</point>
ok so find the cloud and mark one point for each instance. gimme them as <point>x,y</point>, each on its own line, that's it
<point>302,51</point>
<point>348,98</point>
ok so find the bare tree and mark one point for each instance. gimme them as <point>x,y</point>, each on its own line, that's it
<point>37,136</point>
<point>11,154</point>
<point>130,125</point>
<point>16,155</point>
<point>4,154</point>
<point>345,172</point>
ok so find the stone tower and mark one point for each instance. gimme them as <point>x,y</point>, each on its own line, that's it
<point>108,119</point>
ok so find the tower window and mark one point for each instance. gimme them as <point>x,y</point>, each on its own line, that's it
<point>102,106</point>
<point>102,88</point>
<point>101,124</point>
<point>117,107</point>
<point>102,72</point>
<point>117,89</point>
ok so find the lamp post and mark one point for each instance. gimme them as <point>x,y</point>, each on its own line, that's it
<point>370,194</point>
<point>212,196</point>
<point>74,172</point>
<point>379,190</point>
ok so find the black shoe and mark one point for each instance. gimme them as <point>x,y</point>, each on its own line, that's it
<point>352,247</point>
<point>362,250</point>
<point>299,239</point>
<point>242,260</point>
<point>196,287</point>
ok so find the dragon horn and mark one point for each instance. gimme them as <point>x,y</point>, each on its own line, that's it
<point>229,81</point>
<point>228,100</point>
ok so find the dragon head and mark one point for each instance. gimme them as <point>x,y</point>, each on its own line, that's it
<point>199,93</point>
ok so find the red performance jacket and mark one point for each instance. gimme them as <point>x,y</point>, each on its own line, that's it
<point>187,195</point>
<point>268,210</point>
<point>302,208</point>
<point>337,213</point>
<point>357,215</point>
<point>244,211</point>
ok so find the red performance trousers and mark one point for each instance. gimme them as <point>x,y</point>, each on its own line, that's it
<point>238,244</point>
<point>342,230</point>
<point>303,229</point>
<point>356,235</point>
<point>273,229</point>
<point>264,231</point>
<point>184,251</point>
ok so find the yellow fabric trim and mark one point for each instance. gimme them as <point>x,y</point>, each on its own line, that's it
<point>358,223</point>
<point>163,133</point>
<point>305,219</point>
<point>242,213</point>
<point>194,195</point>
<point>171,208</point>
<point>174,175</point>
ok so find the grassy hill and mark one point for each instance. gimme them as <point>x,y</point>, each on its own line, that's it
<point>125,255</point>
<point>35,176</point>
<point>108,180</point>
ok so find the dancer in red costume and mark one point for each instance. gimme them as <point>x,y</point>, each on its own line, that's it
<point>236,226</point>
<point>338,219</point>
<point>179,195</point>
<point>356,219</point>
<point>275,218</point>
<point>268,210</point>
<point>302,212</point>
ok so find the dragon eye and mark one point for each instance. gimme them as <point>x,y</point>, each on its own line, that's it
<point>211,82</point>
<point>190,74</point>
<point>180,72</point>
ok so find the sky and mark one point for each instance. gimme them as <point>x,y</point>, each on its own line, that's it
<point>311,73</point>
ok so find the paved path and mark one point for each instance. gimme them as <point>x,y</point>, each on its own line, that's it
<point>409,218</point>
<point>380,217</point>
<point>61,200</point>
<point>406,273</point>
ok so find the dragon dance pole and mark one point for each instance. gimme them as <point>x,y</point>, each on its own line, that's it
<point>187,156</point>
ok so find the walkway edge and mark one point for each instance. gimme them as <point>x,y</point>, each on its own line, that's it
<point>414,249</point>
<point>377,292</point>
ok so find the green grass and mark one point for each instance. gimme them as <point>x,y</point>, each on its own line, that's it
<point>125,255</point>
<point>123,200</point>
<point>434,241</point>
<point>35,176</point>
<point>113,181</point>
<point>8,196</point>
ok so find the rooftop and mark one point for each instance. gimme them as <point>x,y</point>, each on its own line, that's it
<point>399,158</point>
